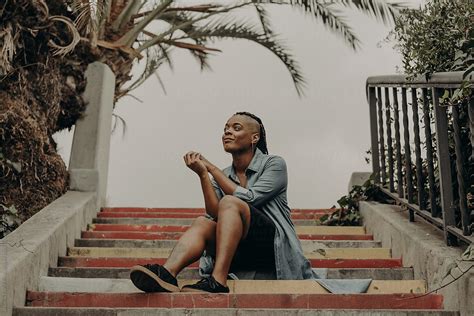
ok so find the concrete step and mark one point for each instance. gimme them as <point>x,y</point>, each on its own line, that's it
<point>130,262</point>
<point>103,285</point>
<point>57,311</point>
<point>308,245</point>
<point>177,235</point>
<point>320,253</point>
<point>193,273</point>
<point>316,230</point>
<point>201,210</point>
<point>173,221</point>
<point>233,300</point>
<point>148,214</point>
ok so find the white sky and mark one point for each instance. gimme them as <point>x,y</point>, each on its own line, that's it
<point>322,136</point>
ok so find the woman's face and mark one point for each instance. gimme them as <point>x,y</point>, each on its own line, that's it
<point>239,131</point>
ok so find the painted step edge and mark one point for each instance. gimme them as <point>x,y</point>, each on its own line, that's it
<point>180,300</point>
<point>57,311</point>
<point>305,243</point>
<point>193,273</point>
<point>328,253</point>
<point>201,210</point>
<point>177,235</point>
<point>315,263</point>
<point>106,285</point>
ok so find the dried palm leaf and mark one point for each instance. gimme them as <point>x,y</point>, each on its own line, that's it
<point>8,45</point>
<point>76,37</point>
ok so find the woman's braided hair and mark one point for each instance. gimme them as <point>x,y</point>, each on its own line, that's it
<point>262,142</point>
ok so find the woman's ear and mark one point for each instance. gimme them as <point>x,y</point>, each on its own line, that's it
<point>255,138</point>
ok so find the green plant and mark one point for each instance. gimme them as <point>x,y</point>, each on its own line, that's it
<point>438,37</point>
<point>9,220</point>
<point>348,213</point>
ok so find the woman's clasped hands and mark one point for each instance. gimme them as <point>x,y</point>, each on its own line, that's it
<point>197,163</point>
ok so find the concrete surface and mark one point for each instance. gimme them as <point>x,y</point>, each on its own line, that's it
<point>89,162</point>
<point>192,273</point>
<point>30,311</point>
<point>28,252</point>
<point>103,285</point>
<point>308,245</point>
<point>422,247</point>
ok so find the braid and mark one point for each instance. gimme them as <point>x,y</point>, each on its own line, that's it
<point>262,142</point>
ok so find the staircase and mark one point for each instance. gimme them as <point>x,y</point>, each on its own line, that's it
<point>93,278</point>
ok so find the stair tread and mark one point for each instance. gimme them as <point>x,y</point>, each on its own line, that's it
<point>316,263</point>
<point>329,253</point>
<point>79,311</point>
<point>307,244</point>
<point>233,300</point>
<point>107,285</point>
<point>193,273</point>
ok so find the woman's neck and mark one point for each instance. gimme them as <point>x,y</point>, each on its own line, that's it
<point>241,161</point>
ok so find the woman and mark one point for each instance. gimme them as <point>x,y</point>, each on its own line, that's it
<point>248,223</point>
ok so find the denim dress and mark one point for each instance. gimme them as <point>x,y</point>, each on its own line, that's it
<point>267,182</point>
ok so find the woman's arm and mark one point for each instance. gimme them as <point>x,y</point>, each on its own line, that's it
<point>211,201</point>
<point>271,182</point>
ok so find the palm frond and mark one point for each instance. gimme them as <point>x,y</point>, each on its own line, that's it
<point>173,17</point>
<point>336,23</point>
<point>118,118</point>
<point>324,11</point>
<point>155,57</point>
<point>264,19</point>
<point>379,9</point>
<point>90,15</point>
<point>187,24</point>
<point>129,38</point>
<point>132,7</point>
<point>242,30</point>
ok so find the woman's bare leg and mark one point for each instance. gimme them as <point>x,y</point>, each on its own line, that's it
<point>232,226</point>
<point>191,245</point>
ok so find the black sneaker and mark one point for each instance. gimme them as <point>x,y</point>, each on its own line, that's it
<point>153,278</point>
<point>208,284</point>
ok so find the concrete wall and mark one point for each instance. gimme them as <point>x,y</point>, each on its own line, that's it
<point>422,247</point>
<point>28,252</point>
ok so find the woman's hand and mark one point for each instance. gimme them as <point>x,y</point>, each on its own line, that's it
<point>207,163</point>
<point>193,161</point>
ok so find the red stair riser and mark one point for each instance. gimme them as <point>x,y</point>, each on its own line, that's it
<point>199,210</point>
<point>139,228</point>
<point>198,300</point>
<point>294,216</point>
<point>93,262</point>
<point>177,235</point>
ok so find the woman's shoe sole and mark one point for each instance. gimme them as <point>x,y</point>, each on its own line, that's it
<point>147,281</point>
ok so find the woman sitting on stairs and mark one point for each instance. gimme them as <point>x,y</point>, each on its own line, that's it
<point>247,226</point>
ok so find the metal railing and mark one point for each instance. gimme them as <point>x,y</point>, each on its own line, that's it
<point>422,178</point>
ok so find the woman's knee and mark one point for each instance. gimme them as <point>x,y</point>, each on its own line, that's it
<point>204,225</point>
<point>231,204</point>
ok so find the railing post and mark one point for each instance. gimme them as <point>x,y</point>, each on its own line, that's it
<point>471,124</point>
<point>444,165</point>
<point>89,162</point>
<point>406,136</point>
<point>374,135</point>
<point>381,137</point>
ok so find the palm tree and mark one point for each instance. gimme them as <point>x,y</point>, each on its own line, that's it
<point>46,46</point>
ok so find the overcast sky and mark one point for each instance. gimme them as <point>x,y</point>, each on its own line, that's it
<point>323,136</point>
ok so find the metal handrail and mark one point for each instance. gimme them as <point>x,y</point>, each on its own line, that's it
<point>439,79</point>
<point>384,94</point>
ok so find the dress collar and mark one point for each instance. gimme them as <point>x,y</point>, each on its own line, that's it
<point>253,165</point>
